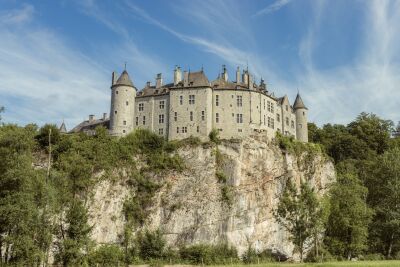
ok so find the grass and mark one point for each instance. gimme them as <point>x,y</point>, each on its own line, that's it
<point>393,263</point>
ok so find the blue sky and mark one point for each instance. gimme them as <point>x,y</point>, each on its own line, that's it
<point>56,57</point>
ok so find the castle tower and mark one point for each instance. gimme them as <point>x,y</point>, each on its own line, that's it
<point>301,119</point>
<point>122,112</point>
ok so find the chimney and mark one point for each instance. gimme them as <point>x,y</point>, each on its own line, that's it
<point>159,80</point>
<point>224,73</point>
<point>245,77</point>
<point>177,75</point>
<point>238,75</point>
<point>113,78</point>
<point>185,78</point>
<point>91,118</point>
<point>104,116</point>
<point>251,81</point>
<point>148,84</point>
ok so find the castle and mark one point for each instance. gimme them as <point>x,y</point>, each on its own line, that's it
<point>193,106</point>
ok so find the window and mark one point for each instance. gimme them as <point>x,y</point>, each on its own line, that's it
<point>300,126</point>
<point>239,118</point>
<point>287,121</point>
<point>115,112</point>
<point>217,117</point>
<point>177,129</point>
<point>141,106</point>
<point>161,118</point>
<point>198,129</point>
<point>304,113</point>
<point>127,103</point>
<point>116,92</point>
<point>217,100</point>
<point>175,116</point>
<point>239,130</point>
<point>239,100</point>
<point>181,99</point>
<point>191,99</point>
<point>137,121</point>
<point>124,122</point>
<point>292,124</point>
<point>123,131</point>
<point>202,115</point>
<point>268,106</point>
<point>278,117</point>
<point>144,120</point>
<point>272,107</point>
<point>264,106</point>
<point>272,123</point>
<point>161,131</point>
<point>191,115</point>
<point>162,104</point>
<point>264,120</point>
<point>269,122</point>
<point>286,107</point>
<point>184,129</point>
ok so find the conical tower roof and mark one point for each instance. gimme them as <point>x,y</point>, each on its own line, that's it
<point>63,129</point>
<point>298,103</point>
<point>124,79</point>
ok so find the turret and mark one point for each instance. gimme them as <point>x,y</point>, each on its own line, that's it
<point>301,119</point>
<point>122,112</point>
<point>245,77</point>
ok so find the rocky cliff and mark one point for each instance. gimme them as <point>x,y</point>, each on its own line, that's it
<point>225,194</point>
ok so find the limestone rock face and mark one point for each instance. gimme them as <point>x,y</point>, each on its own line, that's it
<point>192,207</point>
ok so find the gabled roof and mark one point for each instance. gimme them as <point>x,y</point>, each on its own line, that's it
<point>198,79</point>
<point>298,103</point>
<point>124,79</point>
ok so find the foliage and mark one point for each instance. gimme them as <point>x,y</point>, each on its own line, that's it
<point>151,245</point>
<point>350,216</point>
<point>75,241</point>
<point>107,255</point>
<point>299,213</point>
<point>43,136</point>
<point>1,111</point>
<point>214,136</point>
<point>209,254</point>
<point>252,256</point>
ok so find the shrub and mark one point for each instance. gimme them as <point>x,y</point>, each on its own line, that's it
<point>209,254</point>
<point>373,257</point>
<point>151,245</point>
<point>107,255</point>
<point>226,194</point>
<point>43,135</point>
<point>214,136</point>
<point>252,256</point>
<point>221,176</point>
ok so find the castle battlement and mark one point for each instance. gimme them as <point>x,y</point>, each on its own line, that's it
<point>191,105</point>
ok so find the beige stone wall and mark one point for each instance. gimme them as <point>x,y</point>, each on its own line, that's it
<point>148,111</point>
<point>238,113</point>
<point>122,110</point>
<point>188,118</point>
<point>301,125</point>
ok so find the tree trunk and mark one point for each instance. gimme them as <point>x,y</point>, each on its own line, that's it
<point>389,254</point>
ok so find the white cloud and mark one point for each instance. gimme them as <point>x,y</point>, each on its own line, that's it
<point>42,79</point>
<point>17,16</point>
<point>278,4</point>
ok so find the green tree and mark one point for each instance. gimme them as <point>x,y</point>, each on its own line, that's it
<point>385,199</point>
<point>299,213</point>
<point>347,229</point>
<point>75,241</point>
<point>151,245</point>
<point>1,111</point>
<point>44,133</point>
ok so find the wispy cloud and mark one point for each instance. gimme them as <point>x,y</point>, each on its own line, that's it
<point>17,16</point>
<point>42,79</point>
<point>278,4</point>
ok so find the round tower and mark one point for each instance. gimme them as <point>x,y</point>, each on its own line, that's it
<point>301,119</point>
<point>122,112</point>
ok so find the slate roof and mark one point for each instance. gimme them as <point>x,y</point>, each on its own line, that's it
<point>124,79</point>
<point>90,125</point>
<point>298,103</point>
<point>198,78</point>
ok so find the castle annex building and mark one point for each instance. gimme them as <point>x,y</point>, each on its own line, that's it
<point>193,106</point>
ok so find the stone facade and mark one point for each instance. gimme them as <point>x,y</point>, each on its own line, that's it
<point>192,106</point>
